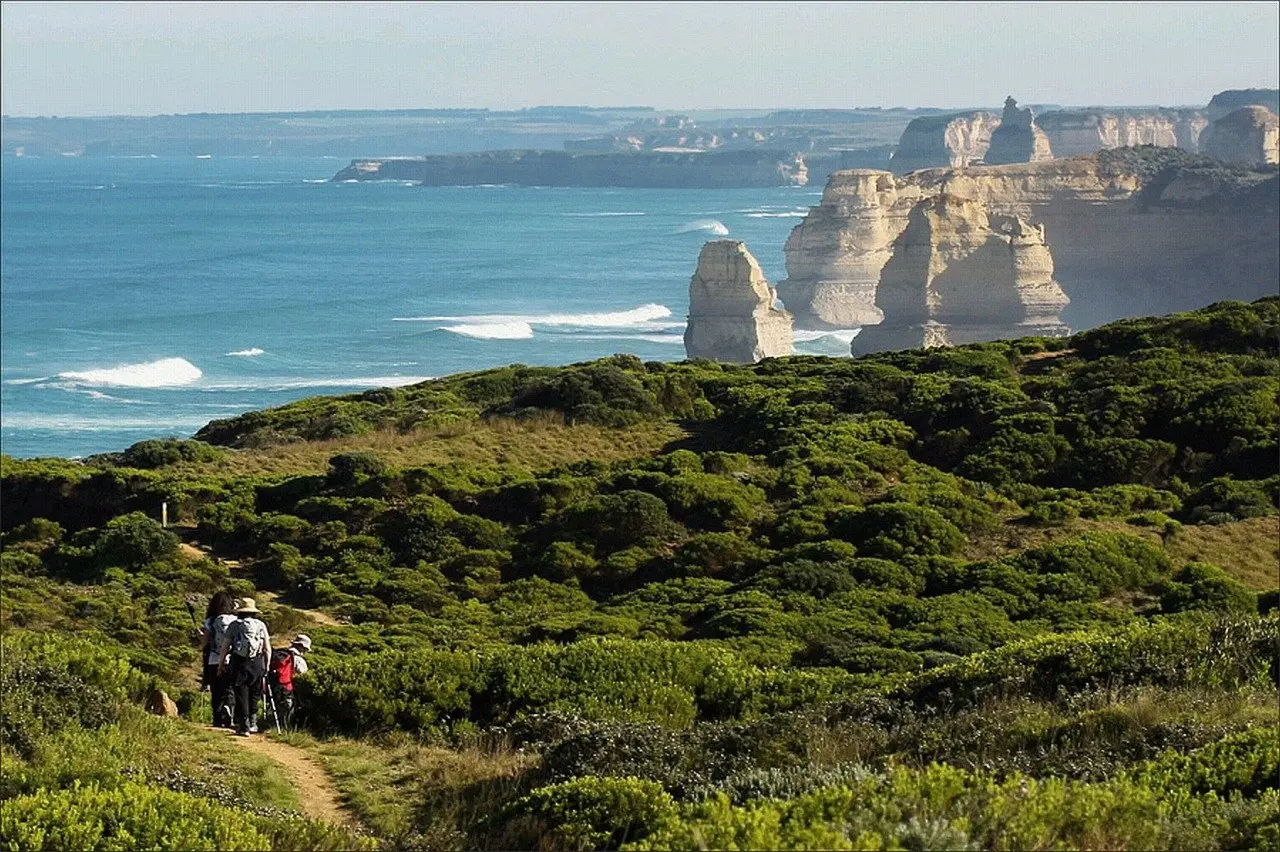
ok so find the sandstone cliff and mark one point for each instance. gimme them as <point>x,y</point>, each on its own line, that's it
<point>960,274</point>
<point>1017,139</point>
<point>1131,232</point>
<point>731,312</point>
<point>708,170</point>
<point>1249,135</point>
<point>1072,133</point>
<point>944,140</point>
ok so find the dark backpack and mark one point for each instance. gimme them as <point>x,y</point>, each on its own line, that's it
<point>282,668</point>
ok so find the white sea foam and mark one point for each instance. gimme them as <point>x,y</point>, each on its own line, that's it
<point>790,214</point>
<point>668,339</point>
<point>510,330</point>
<point>251,352</point>
<point>709,226</point>
<point>843,335</point>
<point>315,180</point>
<point>604,214</point>
<point>645,317</point>
<point>291,383</point>
<point>88,423</point>
<point>165,373</point>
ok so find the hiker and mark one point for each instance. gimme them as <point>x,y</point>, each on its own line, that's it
<point>249,644</point>
<point>285,665</point>
<point>218,616</point>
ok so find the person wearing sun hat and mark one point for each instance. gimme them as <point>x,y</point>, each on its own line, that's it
<point>248,642</point>
<point>285,665</point>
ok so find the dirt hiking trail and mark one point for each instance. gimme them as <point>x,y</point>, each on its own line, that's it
<point>316,792</point>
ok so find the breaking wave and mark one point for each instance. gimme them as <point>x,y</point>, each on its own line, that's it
<point>790,214</point>
<point>251,352</point>
<point>708,226</point>
<point>650,317</point>
<point>843,335</point>
<point>512,330</point>
<point>165,373</point>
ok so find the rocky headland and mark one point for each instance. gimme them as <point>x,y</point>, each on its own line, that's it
<point>1129,231</point>
<point>731,308</point>
<point>649,169</point>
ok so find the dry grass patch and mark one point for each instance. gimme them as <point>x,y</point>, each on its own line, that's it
<point>1248,550</point>
<point>417,795</point>
<point>528,444</point>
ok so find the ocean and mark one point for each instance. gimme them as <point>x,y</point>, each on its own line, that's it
<point>144,297</point>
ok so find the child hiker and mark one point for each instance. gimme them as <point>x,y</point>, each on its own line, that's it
<point>285,665</point>
<point>249,644</point>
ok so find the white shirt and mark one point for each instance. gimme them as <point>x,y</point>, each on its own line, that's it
<point>215,631</point>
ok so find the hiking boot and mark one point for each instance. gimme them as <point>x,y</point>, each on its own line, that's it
<point>243,734</point>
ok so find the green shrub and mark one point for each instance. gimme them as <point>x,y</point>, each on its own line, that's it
<point>130,816</point>
<point>1202,586</point>
<point>585,813</point>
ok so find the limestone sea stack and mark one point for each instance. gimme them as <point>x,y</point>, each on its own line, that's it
<point>1017,139</point>
<point>961,274</point>
<point>731,308</point>
<point>1248,136</point>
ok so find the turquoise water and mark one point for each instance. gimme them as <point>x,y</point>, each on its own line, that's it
<point>144,297</point>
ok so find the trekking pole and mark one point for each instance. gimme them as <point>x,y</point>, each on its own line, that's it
<point>203,655</point>
<point>271,702</point>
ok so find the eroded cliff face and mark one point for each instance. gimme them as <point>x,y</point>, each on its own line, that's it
<point>948,140</point>
<point>835,255</point>
<point>960,274</point>
<point>1018,139</point>
<point>1249,135</point>
<point>731,312</point>
<point>1120,247</point>
<point>1071,134</point>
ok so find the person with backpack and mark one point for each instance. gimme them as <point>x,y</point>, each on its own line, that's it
<point>249,644</point>
<point>218,617</point>
<point>285,665</point>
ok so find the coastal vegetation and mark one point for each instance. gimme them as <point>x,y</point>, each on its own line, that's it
<point>1020,594</point>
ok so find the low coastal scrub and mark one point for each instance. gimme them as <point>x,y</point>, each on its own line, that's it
<point>1016,594</point>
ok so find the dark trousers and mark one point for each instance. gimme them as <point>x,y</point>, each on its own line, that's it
<point>220,693</point>
<point>246,680</point>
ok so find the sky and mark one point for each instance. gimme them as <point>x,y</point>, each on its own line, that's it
<point>152,58</point>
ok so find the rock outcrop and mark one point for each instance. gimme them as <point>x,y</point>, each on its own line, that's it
<point>944,140</point>
<point>1017,139</point>
<point>159,703</point>
<point>960,274</point>
<point>1249,136</point>
<point>650,169</point>
<point>1072,133</point>
<point>731,312</point>
<point>1122,245</point>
